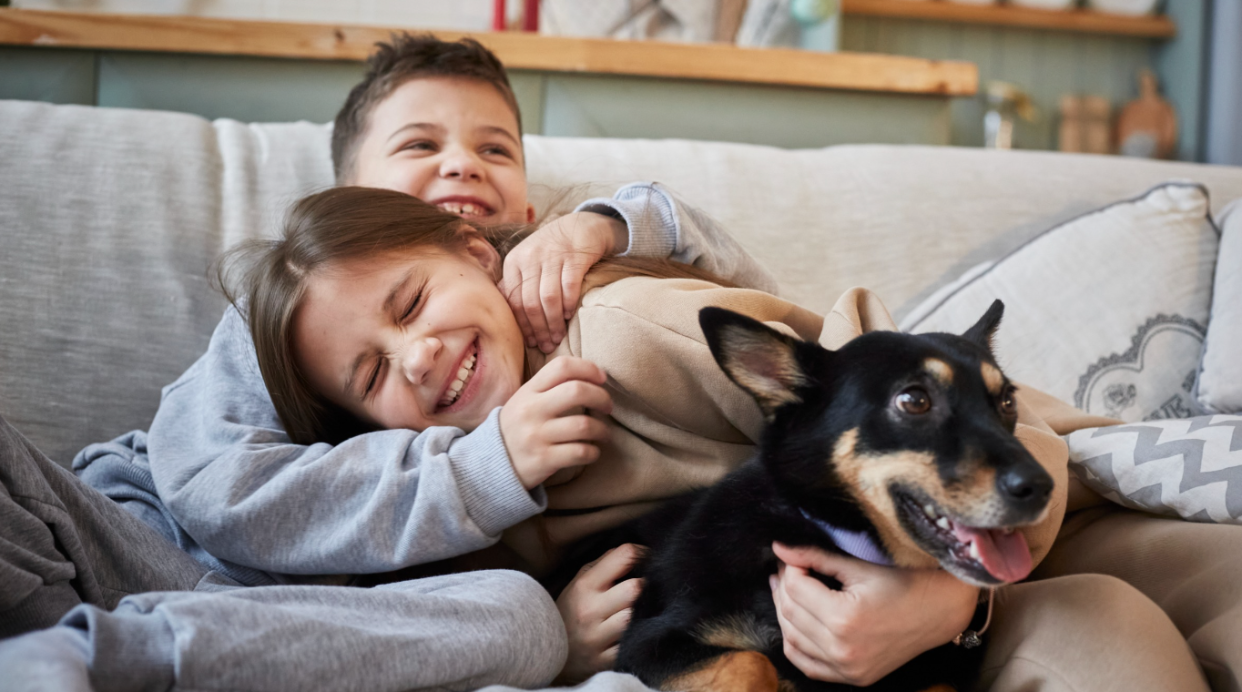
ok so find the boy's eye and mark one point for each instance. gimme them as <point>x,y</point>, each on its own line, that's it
<point>497,150</point>
<point>420,145</point>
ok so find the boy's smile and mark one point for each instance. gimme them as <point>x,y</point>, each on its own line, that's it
<point>451,142</point>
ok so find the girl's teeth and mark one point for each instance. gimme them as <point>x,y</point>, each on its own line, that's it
<point>463,374</point>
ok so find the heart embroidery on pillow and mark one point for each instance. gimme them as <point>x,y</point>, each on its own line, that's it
<point>1140,384</point>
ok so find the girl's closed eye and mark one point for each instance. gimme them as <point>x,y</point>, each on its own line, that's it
<point>373,379</point>
<point>416,300</point>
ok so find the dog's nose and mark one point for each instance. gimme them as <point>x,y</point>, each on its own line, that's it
<point>1026,486</point>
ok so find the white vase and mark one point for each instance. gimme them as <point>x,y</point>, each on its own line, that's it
<point>1133,8</point>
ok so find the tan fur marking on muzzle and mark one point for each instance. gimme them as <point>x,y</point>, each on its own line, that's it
<point>940,370</point>
<point>867,478</point>
<point>973,499</point>
<point>992,378</point>
<point>738,631</point>
<point>738,671</point>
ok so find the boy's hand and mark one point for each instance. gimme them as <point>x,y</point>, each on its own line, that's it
<point>543,275</point>
<point>596,610</point>
<point>544,424</point>
<point>880,619</point>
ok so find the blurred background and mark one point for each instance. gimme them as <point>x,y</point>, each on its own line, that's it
<point>1152,78</point>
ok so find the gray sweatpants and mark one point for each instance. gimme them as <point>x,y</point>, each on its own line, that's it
<point>92,598</point>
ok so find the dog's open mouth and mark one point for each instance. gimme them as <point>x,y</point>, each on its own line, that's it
<point>989,555</point>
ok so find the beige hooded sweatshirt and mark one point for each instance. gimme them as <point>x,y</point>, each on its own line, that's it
<point>678,423</point>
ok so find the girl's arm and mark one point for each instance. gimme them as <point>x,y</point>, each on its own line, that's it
<point>228,473</point>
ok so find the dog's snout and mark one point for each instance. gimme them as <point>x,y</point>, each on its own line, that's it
<point>1025,486</point>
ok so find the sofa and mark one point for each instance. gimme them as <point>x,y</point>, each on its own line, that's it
<point>110,220</point>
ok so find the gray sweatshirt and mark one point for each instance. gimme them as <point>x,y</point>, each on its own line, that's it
<point>217,474</point>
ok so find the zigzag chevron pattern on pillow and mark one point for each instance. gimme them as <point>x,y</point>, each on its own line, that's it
<point>1190,467</point>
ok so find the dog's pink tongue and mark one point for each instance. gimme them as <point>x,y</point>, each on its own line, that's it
<point>1004,555</point>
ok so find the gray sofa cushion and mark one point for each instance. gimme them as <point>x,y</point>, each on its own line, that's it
<point>109,220</point>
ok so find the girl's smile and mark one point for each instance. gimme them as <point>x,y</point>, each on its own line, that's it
<point>413,339</point>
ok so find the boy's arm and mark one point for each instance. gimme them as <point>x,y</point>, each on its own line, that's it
<point>543,275</point>
<point>660,226</point>
<point>227,471</point>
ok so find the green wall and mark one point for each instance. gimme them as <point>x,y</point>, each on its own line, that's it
<point>1045,63</point>
<point>552,103</point>
<point>1049,63</point>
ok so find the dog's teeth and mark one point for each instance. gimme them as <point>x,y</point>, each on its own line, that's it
<point>1007,531</point>
<point>930,510</point>
<point>974,551</point>
<point>944,524</point>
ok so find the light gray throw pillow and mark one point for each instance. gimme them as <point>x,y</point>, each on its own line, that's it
<point>1107,311</point>
<point>1219,387</point>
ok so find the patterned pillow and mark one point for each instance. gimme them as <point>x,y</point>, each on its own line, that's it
<point>1190,468</point>
<point>1107,311</point>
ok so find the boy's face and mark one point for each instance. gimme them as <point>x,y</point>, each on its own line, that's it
<point>450,142</point>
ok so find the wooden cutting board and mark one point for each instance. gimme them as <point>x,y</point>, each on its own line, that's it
<point>1147,126</point>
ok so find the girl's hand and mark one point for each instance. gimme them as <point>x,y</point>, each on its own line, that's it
<point>596,610</point>
<point>881,618</point>
<point>542,276</point>
<point>544,424</point>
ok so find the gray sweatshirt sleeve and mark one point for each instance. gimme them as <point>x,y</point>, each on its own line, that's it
<point>662,227</point>
<point>227,471</point>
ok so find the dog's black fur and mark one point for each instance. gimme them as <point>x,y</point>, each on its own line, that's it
<point>864,438</point>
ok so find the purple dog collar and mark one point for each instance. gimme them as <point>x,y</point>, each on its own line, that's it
<point>855,543</point>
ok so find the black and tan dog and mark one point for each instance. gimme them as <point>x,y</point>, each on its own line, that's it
<point>901,445</point>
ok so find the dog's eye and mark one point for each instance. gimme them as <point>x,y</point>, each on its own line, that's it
<point>1008,404</point>
<point>914,401</point>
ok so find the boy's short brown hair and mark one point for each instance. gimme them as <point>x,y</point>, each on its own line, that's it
<point>403,58</point>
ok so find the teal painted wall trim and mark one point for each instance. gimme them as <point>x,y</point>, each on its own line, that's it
<point>1046,64</point>
<point>55,76</point>
<point>1181,65</point>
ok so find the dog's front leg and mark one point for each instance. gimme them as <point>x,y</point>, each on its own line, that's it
<point>736,671</point>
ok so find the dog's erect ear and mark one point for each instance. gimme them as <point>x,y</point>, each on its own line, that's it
<point>985,329</point>
<point>756,357</point>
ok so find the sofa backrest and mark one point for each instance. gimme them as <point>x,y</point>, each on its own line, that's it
<point>110,220</point>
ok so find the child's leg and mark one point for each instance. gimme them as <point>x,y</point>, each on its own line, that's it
<point>1193,571</point>
<point>1084,632</point>
<point>459,631</point>
<point>62,543</point>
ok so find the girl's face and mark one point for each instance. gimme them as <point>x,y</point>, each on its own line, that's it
<point>413,338</point>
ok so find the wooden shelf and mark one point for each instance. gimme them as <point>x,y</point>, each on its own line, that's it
<point>1084,21</point>
<point>521,51</point>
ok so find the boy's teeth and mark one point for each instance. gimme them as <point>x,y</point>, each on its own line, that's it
<point>467,209</point>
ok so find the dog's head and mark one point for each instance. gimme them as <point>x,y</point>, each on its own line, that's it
<point>914,434</point>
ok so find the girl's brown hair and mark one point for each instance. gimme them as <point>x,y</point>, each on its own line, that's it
<point>266,280</point>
